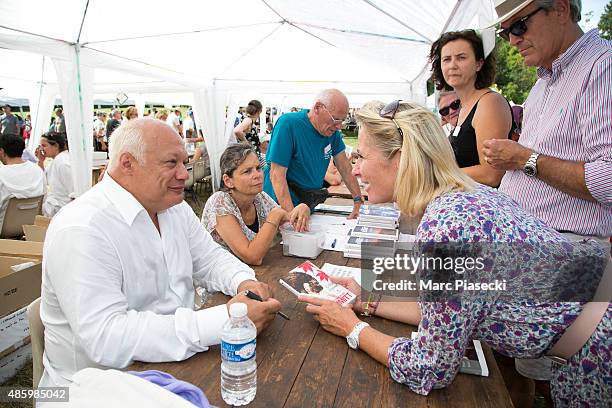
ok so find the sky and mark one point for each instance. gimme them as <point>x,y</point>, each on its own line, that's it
<point>597,6</point>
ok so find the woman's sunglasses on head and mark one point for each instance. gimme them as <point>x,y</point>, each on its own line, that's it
<point>518,28</point>
<point>389,111</point>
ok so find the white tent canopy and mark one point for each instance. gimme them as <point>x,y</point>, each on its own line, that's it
<point>217,55</point>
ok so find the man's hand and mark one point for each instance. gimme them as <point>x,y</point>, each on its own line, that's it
<point>334,318</point>
<point>504,154</point>
<point>299,217</point>
<point>355,213</point>
<point>260,313</point>
<point>262,289</point>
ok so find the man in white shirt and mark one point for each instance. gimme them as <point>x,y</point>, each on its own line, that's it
<point>120,264</point>
<point>174,120</point>
<point>18,178</point>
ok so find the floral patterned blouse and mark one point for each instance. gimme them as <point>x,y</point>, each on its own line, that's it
<point>222,203</point>
<point>516,329</point>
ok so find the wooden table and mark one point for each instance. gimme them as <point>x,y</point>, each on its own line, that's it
<point>300,364</point>
<point>343,192</point>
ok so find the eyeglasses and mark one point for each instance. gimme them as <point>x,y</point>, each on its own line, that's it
<point>336,121</point>
<point>518,28</point>
<point>456,104</point>
<point>389,111</point>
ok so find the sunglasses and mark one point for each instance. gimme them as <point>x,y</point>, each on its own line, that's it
<point>389,111</point>
<point>456,104</point>
<point>518,28</point>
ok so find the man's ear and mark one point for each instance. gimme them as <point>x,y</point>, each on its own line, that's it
<point>127,163</point>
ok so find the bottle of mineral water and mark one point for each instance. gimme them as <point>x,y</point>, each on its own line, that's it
<point>238,364</point>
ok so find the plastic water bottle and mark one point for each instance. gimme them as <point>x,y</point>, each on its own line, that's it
<point>238,363</point>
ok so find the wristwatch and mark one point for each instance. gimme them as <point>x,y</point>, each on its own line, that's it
<point>531,167</point>
<point>358,199</point>
<point>353,338</point>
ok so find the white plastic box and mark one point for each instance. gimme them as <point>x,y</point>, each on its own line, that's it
<point>302,244</point>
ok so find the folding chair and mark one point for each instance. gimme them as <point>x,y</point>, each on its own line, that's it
<point>19,212</point>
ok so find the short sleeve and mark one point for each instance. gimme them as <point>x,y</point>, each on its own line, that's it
<point>281,142</point>
<point>220,203</point>
<point>337,143</point>
<point>264,204</point>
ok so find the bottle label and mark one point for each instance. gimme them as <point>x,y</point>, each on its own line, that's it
<point>237,353</point>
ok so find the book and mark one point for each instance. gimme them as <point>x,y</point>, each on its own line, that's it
<point>378,212</point>
<point>374,232</point>
<point>307,279</point>
<point>474,361</point>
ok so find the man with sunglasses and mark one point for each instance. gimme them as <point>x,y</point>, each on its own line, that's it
<point>448,108</point>
<point>301,147</point>
<point>561,168</point>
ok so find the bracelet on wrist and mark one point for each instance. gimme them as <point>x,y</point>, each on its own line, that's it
<point>273,223</point>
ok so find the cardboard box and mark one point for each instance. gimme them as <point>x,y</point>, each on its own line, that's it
<point>42,221</point>
<point>34,233</point>
<point>14,331</point>
<point>18,289</point>
<point>11,364</point>
<point>21,249</point>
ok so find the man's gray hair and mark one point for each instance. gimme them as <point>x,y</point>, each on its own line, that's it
<point>127,138</point>
<point>446,93</point>
<point>575,7</point>
<point>326,97</point>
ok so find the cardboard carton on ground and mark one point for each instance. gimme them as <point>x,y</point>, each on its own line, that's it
<point>12,363</point>
<point>14,331</point>
<point>21,249</point>
<point>42,221</point>
<point>34,233</point>
<point>18,289</point>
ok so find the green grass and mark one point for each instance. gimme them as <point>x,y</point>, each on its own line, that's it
<point>350,138</point>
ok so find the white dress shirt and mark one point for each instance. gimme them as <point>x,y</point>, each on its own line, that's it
<point>22,180</point>
<point>60,189</point>
<point>115,289</point>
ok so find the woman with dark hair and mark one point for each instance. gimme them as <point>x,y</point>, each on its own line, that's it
<point>242,217</point>
<point>459,63</point>
<point>58,173</point>
<point>246,131</point>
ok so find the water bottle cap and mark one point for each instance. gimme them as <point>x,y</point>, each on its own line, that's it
<point>238,310</point>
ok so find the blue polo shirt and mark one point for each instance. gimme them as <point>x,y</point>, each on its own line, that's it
<point>296,145</point>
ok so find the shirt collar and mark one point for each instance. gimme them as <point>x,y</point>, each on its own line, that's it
<point>568,56</point>
<point>127,205</point>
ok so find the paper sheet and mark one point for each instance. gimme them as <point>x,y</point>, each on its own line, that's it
<point>342,271</point>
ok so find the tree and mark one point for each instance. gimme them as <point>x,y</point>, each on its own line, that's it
<point>514,78</point>
<point>605,22</point>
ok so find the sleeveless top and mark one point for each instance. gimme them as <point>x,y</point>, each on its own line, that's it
<point>253,138</point>
<point>463,139</point>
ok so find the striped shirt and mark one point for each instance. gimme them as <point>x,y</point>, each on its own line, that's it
<point>568,115</point>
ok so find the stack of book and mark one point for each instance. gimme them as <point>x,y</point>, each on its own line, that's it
<point>375,234</point>
<point>378,216</point>
<point>369,248</point>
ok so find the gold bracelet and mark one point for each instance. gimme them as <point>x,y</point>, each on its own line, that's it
<point>270,222</point>
<point>366,308</point>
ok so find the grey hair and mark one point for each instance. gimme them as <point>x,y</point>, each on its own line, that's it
<point>575,7</point>
<point>127,138</point>
<point>326,97</point>
<point>233,156</point>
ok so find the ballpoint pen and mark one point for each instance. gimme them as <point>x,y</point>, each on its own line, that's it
<point>255,296</point>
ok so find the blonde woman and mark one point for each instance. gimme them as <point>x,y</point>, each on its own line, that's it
<point>405,156</point>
